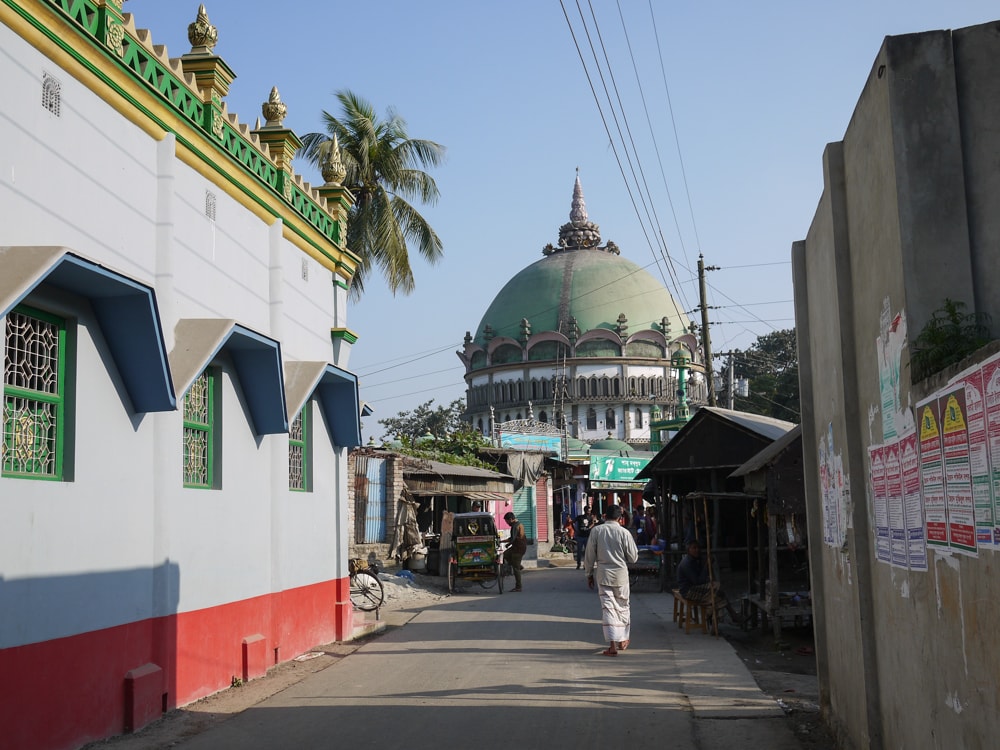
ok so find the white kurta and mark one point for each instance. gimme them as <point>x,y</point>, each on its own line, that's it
<point>609,551</point>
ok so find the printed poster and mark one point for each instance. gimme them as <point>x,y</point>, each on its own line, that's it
<point>991,388</point>
<point>876,462</point>
<point>932,474</point>
<point>958,472</point>
<point>894,502</point>
<point>913,508</point>
<point>979,458</point>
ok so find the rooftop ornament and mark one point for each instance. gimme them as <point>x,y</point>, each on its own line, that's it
<point>274,110</point>
<point>332,167</point>
<point>202,34</point>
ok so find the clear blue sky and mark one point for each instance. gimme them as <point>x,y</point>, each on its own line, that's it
<point>756,90</point>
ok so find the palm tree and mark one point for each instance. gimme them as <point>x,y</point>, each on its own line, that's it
<point>384,172</point>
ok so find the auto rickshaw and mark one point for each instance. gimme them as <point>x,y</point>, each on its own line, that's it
<point>476,554</point>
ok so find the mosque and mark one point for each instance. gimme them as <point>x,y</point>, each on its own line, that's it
<point>586,341</point>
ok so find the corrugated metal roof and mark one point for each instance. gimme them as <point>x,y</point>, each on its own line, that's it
<point>439,468</point>
<point>771,452</point>
<point>767,426</point>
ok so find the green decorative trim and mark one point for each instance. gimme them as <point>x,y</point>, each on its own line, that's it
<point>344,334</point>
<point>147,69</point>
<point>337,281</point>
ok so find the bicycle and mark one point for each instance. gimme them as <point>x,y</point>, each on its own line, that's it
<point>367,592</point>
<point>564,540</point>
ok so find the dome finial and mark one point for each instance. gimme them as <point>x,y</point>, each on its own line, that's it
<point>580,232</point>
<point>578,211</point>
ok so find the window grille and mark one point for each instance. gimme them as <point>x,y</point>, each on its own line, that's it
<point>33,395</point>
<point>298,452</point>
<point>51,93</point>
<point>199,421</point>
<point>609,419</point>
<point>591,418</point>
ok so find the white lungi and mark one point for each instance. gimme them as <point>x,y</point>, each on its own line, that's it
<point>615,612</point>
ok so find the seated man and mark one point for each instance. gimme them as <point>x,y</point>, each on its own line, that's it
<point>693,584</point>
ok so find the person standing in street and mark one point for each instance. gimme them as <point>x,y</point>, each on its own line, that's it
<point>609,551</point>
<point>583,524</point>
<point>518,542</point>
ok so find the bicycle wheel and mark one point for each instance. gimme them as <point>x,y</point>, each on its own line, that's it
<point>366,591</point>
<point>499,572</point>
<point>452,573</point>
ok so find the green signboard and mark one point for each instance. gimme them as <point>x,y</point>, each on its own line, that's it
<point>615,468</point>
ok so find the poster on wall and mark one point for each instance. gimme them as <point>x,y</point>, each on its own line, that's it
<point>876,464</point>
<point>932,474</point>
<point>979,458</point>
<point>958,472</point>
<point>991,390</point>
<point>894,503</point>
<point>913,508</point>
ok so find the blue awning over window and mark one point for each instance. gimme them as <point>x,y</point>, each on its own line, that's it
<point>337,391</point>
<point>256,359</point>
<point>125,310</point>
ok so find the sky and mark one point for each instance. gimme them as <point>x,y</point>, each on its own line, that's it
<point>698,129</point>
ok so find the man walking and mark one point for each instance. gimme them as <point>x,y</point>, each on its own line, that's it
<point>518,542</point>
<point>609,551</point>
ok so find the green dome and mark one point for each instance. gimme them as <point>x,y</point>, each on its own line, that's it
<point>611,444</point>
<point>583,280</point>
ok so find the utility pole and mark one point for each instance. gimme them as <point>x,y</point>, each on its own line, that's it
<point>706,343</point>
<point>730,383</point>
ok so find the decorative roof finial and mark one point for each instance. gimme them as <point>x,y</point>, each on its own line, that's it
<point>274,110</point>
<point>332,167</point>
<point>580,232</point>
<point>202,34</point>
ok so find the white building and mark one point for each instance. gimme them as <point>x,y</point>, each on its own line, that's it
<point>176,412</point>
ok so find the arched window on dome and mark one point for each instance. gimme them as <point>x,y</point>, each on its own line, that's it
<point>520,391</point>
<point>543,417</point>
<point>632,387</point>
<point>605,387</point>
<point>506,418</point>
<point>659,383</point>
<point>519,416</point>
<point>642,386</point>
<point>591,418</point>
<point>609,419</point>
<point>638,417</point>
<point>616,386</point>
<point>581,387</point>
<point>534,389</point>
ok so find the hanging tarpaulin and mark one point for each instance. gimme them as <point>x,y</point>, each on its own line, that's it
<point>406,537</point>
<point>526,468</point>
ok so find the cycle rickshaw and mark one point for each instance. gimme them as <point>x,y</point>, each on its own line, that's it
<point>476,553</point>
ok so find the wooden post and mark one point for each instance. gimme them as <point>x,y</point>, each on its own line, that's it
<point>711,581</point>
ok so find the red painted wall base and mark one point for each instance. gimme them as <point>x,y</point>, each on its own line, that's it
<point>63,693</point>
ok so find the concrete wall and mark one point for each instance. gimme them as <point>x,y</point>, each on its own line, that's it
<point>907,218</point>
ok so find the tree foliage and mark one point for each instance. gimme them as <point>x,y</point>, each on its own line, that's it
<point>438,434</point>
<point>771,365</point>
<point>384,171</point>
<point>949,336</point>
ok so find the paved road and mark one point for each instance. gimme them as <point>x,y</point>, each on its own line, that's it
<point>520,670</point>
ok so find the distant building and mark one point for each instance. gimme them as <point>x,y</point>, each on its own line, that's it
<point>583,339</point>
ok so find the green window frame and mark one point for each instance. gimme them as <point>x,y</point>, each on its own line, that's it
<point>199,432</point>
<point>299,452</point>
<point>34,395</point>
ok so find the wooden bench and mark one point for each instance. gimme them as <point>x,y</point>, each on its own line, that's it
<point>689,615</point>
